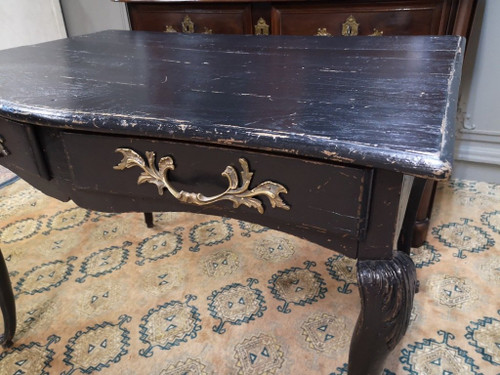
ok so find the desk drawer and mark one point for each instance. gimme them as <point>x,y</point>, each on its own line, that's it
<point>414,18</point>
<point>20,150</point>
<point>198,18</point>
<point>322,197</point>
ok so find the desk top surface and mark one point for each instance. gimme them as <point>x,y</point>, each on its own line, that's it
<point>386,102</point>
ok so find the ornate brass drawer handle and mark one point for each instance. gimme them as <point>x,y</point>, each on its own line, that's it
<point>3,149</point>
<point>187,26</point>
<point>351,28</point>
<point>169,29</point>
<point>377,32</point>
<point>237,194</point>
<point>261,28</point>
<point>322,32</point>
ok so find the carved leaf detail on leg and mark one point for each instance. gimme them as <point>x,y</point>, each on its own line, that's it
<point>387,288</point>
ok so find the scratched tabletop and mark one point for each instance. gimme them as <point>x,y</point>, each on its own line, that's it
<point>386,102</point>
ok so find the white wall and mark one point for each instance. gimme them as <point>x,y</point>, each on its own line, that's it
<point>90,16</point>
<point>24,22</point>
<point>477,151</point>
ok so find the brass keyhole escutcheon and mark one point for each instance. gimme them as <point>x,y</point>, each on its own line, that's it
<point>187,25</point>
<point>261,28</point>
<point>350,26</point>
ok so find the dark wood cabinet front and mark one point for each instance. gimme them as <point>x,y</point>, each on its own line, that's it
<point>199,18</point>
<point>336,17</point>
<point>303,18</point>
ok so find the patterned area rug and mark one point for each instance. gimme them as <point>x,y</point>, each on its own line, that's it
<point>6,177</point>
<point>196,294</point>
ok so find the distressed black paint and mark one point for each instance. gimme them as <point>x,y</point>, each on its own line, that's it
<point>383,102</point>
<point>336,121</point>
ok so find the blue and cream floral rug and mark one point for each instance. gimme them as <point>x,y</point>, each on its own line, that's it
<point>6,177</point>
<point>101,293</point>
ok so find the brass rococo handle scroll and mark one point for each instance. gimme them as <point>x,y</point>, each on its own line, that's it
<point>169,29</point>
<point>322,32</point>
<point>236,193</point>
<point>377,32</point>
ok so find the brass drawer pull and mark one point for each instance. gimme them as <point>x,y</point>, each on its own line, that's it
<point>187,26</point>
<point>169,29</point>
<point>237,194</point>
<point>3,149</point>
<point>262,28</point>
<point>350,26</point>
<point>322,32</point>
<point>377,32</point>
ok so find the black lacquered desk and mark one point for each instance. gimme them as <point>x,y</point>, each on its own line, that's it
<point>317,137</point>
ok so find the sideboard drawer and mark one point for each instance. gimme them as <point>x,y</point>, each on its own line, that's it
<point>414,18</point>
<point>198,169</point>
<point>198,18</point>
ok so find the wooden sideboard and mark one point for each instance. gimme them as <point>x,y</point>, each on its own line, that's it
<point>322,18</point>
<point>334,17</point>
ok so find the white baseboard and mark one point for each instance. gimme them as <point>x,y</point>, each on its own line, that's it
<point>478,149</point>
<point>477,157</point>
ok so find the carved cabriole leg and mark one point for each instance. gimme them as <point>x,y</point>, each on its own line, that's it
<point>7,304</point>
<point>387,288</point>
